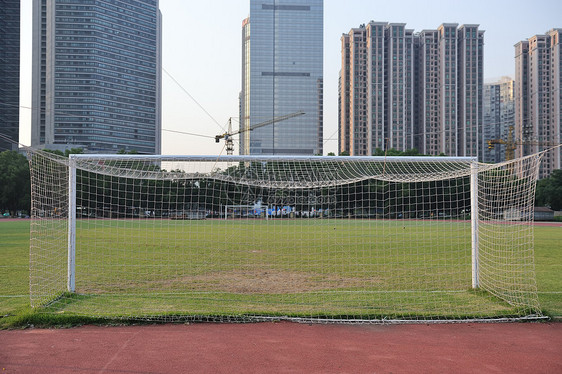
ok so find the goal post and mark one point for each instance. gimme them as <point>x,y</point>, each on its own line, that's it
<point>315,238</point>
<point>474,220</point>
<point>71,283</point>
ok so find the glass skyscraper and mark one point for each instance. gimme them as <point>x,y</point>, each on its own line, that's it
<point>9,73</point>
<point>282,73</point>
<point>97,75</point>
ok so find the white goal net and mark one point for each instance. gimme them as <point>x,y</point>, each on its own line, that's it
<point>303,238</point>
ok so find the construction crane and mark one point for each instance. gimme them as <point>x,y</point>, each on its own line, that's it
<point>511,144</point>
<point>227,136</point>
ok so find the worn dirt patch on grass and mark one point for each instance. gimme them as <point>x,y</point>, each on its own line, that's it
<point>273,281</point>
<point>245,281</point>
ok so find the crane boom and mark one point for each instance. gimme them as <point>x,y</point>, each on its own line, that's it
<point>511,144</point>
<point>269,122</point>
<point>261,124</point>
<point>227,136</point>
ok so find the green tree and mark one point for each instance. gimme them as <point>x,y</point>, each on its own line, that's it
<point>66,153</point>
<point>549,191</point>
<point>73,151</point>
<point>15,187</point>
<point>122,151</point>
<point>395,152</point>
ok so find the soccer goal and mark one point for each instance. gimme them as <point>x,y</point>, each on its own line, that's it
<point>303,238</point>
<point>247,211</point>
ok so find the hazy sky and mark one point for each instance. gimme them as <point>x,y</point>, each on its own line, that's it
<point>202,51</point>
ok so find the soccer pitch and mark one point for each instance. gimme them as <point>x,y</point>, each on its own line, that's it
<point>341,269</point>
<point>303,267</point>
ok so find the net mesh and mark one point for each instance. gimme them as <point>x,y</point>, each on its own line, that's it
<point>307,238</point>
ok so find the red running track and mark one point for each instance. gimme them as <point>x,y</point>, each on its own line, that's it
<point>286,348</point>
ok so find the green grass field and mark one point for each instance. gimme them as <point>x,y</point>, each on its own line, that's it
<point>266,275</point>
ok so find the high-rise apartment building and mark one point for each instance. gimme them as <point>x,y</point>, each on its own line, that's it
<point>353,108</point>
<point>97,75</point>
<point>9,74</point>
<point>376,89</point>
<point>282,73</point>
<point>428,94</point>
<point>498,118</point>
<point>470,82</point>
<point>538,92</point>
<point>400,89</point>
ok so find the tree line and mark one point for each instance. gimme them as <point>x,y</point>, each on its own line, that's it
<point>549,191</point>
<point>368,198</point>
<point>15,185</point>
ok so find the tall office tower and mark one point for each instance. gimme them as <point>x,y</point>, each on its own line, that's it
<point>498,120</point>
<point>282,73</point>
<point>97,75</point>
<point>538,92</point>
<point>422,90</point>
<point>9,74</point>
